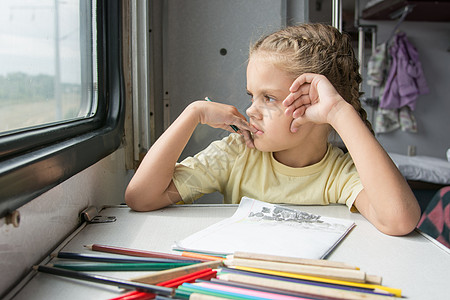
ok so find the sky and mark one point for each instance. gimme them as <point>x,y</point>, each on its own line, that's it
<point>27,38</point>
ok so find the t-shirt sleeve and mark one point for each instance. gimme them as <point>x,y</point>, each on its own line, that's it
<point>208,171</point>
<point>349,183</point>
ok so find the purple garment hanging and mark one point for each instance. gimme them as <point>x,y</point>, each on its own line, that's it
<point>406,80</point>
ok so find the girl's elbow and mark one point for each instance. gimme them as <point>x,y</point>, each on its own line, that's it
<point>401,224</point>
<point>140,200</point>
<point>399,229</point>
<point>135,200</point>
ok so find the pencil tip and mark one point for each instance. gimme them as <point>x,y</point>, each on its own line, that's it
<point>88,246</point>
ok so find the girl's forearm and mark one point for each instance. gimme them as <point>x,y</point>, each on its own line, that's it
<point>148,188</point>
<point>388,201</point>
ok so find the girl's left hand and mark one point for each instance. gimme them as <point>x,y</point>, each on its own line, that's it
<point>312,97</point>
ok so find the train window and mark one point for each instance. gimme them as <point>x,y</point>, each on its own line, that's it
<point>61,92</point>
<point>46,53</point>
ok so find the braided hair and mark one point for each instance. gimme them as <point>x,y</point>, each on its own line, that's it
<point>316,48</point>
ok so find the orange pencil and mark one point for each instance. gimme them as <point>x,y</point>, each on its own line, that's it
<point>201,256</point>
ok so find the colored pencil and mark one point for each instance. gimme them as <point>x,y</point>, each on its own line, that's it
<point>396,292</point>
<point>249,291</point>
<point>303,281</point>
<point>135,252</point>
<point>106,280</point>
<point>293,260</point>
<point>186,290</point>
<point>134,295</point>
<point>195,296</point>
<point>163,298</point>
<point>205,274</point>
<point>201,256</point>
<point>302,288</point>
<point>255,287</point>
<point>296,280</point>
<point>228,292</point>
<point>126,259</point>
<point>334,273</point>
<point>165,275</point>
<point>118,266</point>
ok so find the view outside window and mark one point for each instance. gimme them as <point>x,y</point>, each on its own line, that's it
<point>46,70</point>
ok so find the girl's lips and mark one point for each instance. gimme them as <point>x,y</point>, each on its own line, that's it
<point>258,131</point>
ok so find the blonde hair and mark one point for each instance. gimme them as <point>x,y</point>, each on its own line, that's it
<point>320,49</point>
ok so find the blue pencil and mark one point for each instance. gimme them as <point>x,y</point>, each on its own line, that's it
<point>106,280</point>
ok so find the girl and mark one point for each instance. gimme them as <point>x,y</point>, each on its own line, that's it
<point>303,82</point>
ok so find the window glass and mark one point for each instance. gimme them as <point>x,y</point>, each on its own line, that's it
<point>47,74</point>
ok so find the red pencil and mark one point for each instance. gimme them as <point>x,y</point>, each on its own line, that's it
<point>135,252</point>
<point>205,274</point>
<point>135,295</point>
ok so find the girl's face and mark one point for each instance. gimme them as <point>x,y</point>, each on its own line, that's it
<point>268,86</point>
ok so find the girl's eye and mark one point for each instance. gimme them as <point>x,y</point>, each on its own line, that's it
<point>270,99</point>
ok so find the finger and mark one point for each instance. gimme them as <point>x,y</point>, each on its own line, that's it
<point>302,79</point>
<point>248,138</point>
<point>296,123</point>
<point>294,95</point>
<point>242,125</point>
<point>301,101</point>
<point>224,127</point>
<point>298,83</point>
<point>299,112</point>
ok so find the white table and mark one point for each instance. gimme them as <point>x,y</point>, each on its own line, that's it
<point>414,263</point>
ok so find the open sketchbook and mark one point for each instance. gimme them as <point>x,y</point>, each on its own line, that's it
<point>261,227</point>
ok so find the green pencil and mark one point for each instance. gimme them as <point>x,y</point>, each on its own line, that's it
<point>119,266</point>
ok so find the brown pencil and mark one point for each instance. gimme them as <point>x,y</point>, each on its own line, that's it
<point>136,252</point>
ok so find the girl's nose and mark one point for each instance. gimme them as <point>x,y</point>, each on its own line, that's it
<point>253,111</point>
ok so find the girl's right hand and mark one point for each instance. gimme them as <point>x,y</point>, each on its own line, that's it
<point>219,115</point>
<point>312,98</point>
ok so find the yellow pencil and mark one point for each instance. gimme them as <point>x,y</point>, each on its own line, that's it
<point>394,291</point>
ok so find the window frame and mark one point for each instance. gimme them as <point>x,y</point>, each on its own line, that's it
<point>32,162</point>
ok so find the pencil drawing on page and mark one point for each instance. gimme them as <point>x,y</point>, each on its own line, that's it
<point>285,214</point>
<point>297,218</point>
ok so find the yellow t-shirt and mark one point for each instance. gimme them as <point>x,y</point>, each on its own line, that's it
<point>231,168</point>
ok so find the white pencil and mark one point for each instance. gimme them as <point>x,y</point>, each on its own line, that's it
<point>294,260</point>
<point>333,273</point>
